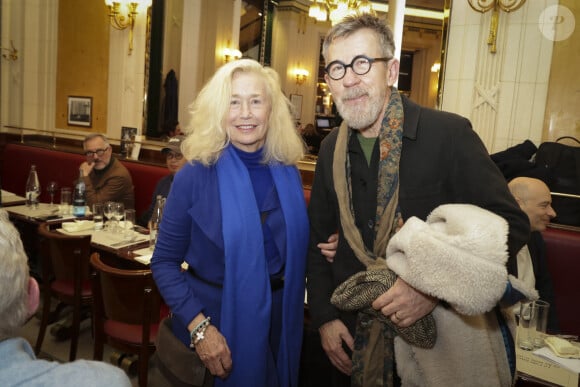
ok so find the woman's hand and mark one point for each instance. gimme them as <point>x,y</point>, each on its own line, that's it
<point>214,352</point>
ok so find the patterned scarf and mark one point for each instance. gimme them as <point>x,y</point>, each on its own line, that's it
<point>373,355</point>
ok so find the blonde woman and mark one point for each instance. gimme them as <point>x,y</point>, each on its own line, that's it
<point>236,214</point>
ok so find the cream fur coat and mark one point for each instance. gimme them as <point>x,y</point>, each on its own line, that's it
<point>459,256</point>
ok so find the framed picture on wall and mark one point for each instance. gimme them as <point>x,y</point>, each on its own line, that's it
<point>80,111</point>
<point>296,100</point>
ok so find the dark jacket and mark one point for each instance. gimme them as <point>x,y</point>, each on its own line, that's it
<point>442,161</point>
<point>162,188</point>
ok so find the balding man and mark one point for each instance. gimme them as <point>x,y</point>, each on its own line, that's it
<point>534,198</point>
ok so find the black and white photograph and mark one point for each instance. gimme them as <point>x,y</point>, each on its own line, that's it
<point>80,111</point>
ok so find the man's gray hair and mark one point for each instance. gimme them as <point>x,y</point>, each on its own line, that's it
<point>353,23</point>
<point>13,279</point>
<point>89,137</point>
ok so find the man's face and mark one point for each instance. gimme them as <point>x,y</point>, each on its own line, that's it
<point>97,146</point>
<point>538,207</point>
<point>174,161</point>
<point>361,99</point>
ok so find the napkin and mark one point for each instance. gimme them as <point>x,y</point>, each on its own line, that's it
<point>144,259</point>
<point>78,225</point>
<point>562,347</point>
<point>570,364</point>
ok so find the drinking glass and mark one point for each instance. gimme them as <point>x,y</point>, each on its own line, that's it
<point>109,212</point>
<point>526,326</point>
<point>129,223</point>
<point>65,201</point>
<point>542,308</point>
<point>51,188</point>
<point>98,210</point>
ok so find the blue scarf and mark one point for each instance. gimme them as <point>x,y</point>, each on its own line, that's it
<point>247,298</point>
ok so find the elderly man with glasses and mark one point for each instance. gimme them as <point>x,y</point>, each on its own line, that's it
<point>106,178</point>
<point>392,160</point>
<point>174,160</point>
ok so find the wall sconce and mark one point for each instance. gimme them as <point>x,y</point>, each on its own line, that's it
<point>121,22</point>
<point>231,54</point>
<point>436,67</point>
<point>483,6</point>
<point>12,52</point>
<point>301,75</point>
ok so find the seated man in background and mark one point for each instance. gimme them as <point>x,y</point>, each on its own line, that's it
<point>106,178</point>
<point>174,160</point>
<point>19,298</point>
<point>311,137</point>
<point>534,198</point>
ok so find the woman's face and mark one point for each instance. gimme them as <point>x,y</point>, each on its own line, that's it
<point>249,114</point>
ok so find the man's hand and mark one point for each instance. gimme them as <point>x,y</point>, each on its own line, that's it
<point>329,249</point>
<point>87,168</point>
<point>404,304</point>
<point>332,334</point>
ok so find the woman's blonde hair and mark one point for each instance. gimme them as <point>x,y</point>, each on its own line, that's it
<point>206,132</point>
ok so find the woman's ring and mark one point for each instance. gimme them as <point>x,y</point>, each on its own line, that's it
<point>397,316</point>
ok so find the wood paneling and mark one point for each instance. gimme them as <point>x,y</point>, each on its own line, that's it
<point>83,59</point>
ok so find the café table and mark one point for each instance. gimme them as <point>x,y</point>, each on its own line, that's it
<point>11,199</point>
<point>43,212</point>
<point>26,220</point>
<point>124,246</point>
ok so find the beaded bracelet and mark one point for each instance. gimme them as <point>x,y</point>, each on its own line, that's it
<point>197,333</point>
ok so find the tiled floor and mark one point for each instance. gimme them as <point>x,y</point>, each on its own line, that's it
<point>315,367</point>
<point>54,349</point>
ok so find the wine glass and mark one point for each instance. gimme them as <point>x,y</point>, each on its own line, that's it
<point>51,188</point>
<point>109,212</point>
<point>118,213</point>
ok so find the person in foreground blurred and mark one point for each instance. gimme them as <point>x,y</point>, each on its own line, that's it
<point>174,160</point>
<point>106,178</point>
<point>19,298</point>
<point>236,215</point>
<point>389,160</point>
<point>534,198</point>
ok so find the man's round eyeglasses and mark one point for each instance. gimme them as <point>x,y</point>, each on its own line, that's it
<point>176,156</point>
<point>361,64</point>
<point>98,152</point>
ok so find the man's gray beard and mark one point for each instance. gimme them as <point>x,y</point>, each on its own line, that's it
<point>360,118</point>
<point>365,116</point>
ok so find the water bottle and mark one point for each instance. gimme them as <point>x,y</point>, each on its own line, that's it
<point>79,196</point>
<point>155,221</point>
<point>32,188</point>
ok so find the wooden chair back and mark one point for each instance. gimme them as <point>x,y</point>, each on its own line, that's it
<point>65,276</point>
<point>126,311</point>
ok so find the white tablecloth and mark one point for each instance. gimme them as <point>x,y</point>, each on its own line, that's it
<point>117,240</point>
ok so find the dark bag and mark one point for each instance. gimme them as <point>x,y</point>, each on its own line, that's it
<point>563,165</point>
<point>175,365</point>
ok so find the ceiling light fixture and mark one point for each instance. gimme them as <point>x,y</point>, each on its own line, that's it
<point>336,10</point>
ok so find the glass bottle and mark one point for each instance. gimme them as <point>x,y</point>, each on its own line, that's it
<point>155,221</point>
<point>79,196</point>
<point>32,188</point>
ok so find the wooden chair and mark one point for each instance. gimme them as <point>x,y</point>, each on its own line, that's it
<point>126,312</point>
<point>65,276</point>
